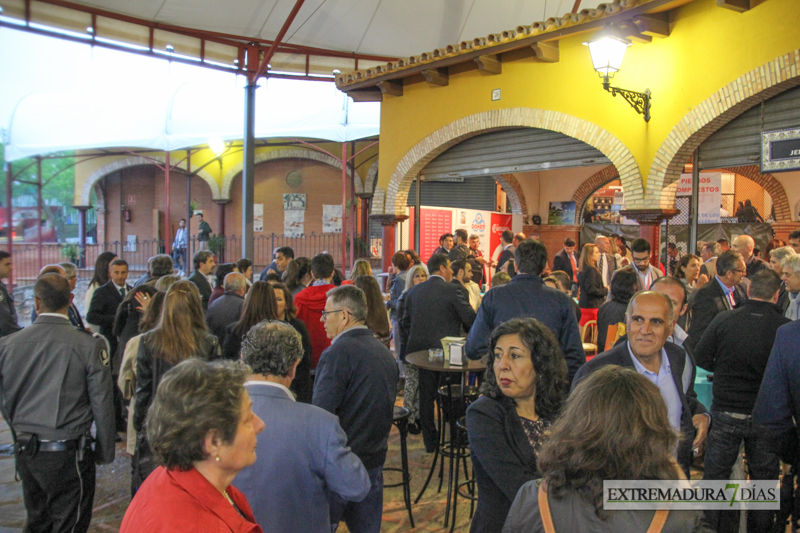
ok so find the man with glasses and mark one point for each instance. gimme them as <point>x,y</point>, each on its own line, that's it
<point>357,381</point>
<point>646,273</point>
<point>715,297</point>
<point>71,273</point>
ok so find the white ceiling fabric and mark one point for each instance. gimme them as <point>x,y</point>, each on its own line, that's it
<point>394,28</point>
<point>109,99</point>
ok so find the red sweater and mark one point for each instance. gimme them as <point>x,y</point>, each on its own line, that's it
<point>171,500</point>
<point>310,303</point>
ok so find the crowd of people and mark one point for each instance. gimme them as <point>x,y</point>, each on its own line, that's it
<point>267,405</point>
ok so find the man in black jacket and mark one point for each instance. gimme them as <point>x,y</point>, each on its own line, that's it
<point>649,320</point>
<point>356,380</point>
<point>203,266</point>
<point>526,295</point>
<point>736,347</point>
<point>434,309</point>
<point>718,295</point>
<point>564,261</point>
<point>506,238</point>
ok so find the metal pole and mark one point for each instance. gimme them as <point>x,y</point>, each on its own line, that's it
<point>695,201</point>
<point>189,255</point>
<point>248,168</point>
<point>167,229</point>
<point>39,208</point>
<point>417,218</point>
<point>9,225</point>
<point>353,206</point>
<point>344,209</point>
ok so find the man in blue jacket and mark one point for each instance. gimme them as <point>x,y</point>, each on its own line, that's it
<point>527,295</point>
<point>302,454</point>
<point>357,381</point>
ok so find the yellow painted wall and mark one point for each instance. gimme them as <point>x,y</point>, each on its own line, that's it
<point>708,48</point>
<point>201,156</point>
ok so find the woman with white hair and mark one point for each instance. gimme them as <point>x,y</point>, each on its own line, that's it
<point>776,257</point>
<point>791,281</point>
<point>414,276</point>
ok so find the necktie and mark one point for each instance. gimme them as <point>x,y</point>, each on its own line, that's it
<point>574,268</point>
<point>600,267</point>
<point>732,300</point>
<point>122,291</point>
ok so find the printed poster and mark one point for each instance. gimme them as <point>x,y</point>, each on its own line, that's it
<point>294,201</point>
<point>562,213</point>
<point>710,189</point>
<point>258,218</point>
<point>500,223</point>
<point>331,218</point>
<point>294,223</point>
<point>434,223</point>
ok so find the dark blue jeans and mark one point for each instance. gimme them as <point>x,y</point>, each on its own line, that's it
<point>364,516</point>
<point>722,450</point>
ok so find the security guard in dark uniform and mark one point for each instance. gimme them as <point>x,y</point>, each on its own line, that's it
<point>8,313</point>
<point>55,380</point>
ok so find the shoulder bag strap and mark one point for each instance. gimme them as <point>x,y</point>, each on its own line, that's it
<point>659,519</point>
<point>544,510</point>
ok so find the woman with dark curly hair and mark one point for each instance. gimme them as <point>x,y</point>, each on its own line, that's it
<point>524,387</point>
<point>613,427</point>
<point>203,432</point>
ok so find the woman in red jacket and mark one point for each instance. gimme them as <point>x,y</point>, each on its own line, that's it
<point>203,431</point>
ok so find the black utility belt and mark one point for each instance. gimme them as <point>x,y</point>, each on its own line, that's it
<point>30,444</point>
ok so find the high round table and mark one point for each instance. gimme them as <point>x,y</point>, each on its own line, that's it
<point>420,361</point>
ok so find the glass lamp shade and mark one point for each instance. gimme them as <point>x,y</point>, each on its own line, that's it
<point>217,145</point>
<point>607,53</point>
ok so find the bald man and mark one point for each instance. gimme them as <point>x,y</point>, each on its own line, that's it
<point>649,321</point>
<point>744,244</point>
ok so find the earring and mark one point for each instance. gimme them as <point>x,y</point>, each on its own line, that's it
<point>217,457</point>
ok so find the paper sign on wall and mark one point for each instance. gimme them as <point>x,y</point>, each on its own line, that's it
<point>331,218</point>
<point>294,223</point>
<point>258,218</point>
<point>710,189</point>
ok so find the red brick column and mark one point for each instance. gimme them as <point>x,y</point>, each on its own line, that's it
<point>650,227</point>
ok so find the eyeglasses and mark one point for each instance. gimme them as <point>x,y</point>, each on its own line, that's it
<point>326,313</point>
<point>741,271</point>
<point>641,260</point>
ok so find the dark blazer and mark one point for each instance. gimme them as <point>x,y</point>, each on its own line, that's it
<point>754,266</point>
<point>561,262</point>
<point>357,381</point>
<point>505,256</point>
<point>593,293</point>
<point>709,301</point>
<point>783,298</point>
<point>527,295</point>
<point>223,312</point>
<point>461,288</point>
<point>612,267</point>
<point>432,310</point>
<point>778,401</point>
<point>398,284</point>
<point>103,311</point>
<point>619,355</point>
<point>203,286</point>
<point>502,457</point>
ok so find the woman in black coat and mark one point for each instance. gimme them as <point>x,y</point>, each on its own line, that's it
<point>590,282</point>
<point>623,287</point>
<point>525,385</point>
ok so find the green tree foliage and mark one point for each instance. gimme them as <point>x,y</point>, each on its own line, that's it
<point>58,184</point>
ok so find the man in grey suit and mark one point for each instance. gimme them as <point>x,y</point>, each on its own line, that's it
<point>204,264</point>
<point>302,454</point>
<point>227,309</point>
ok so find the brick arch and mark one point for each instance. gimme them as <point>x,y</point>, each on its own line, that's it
<point>119,164</point>
<point>269,155</point>
<point>436,143</point>
<point>372,176</point>
<point>514,192</point>
<point>729,102</point>
<point>783,211</point>
<point>592,183</point>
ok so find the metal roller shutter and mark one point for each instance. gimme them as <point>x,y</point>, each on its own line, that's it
<point>515,150</point>
<point>473,193</point>
<point>738,143</point>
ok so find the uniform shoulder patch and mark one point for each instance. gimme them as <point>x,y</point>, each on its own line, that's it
<point>104,358</point>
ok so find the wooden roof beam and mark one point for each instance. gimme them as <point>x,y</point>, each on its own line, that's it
<point>393,88</point>
<point>489,64</point>
<point>547,52</point>
<point>740,6</point>
<point>438,77</point>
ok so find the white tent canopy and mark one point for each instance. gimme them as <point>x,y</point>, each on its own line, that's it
<point>106,98</point>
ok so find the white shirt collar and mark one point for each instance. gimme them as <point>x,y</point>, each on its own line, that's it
<point>59,315</point>
<point>271,384</point>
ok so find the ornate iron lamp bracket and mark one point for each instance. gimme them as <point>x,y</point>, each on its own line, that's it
<point>639,101</point>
